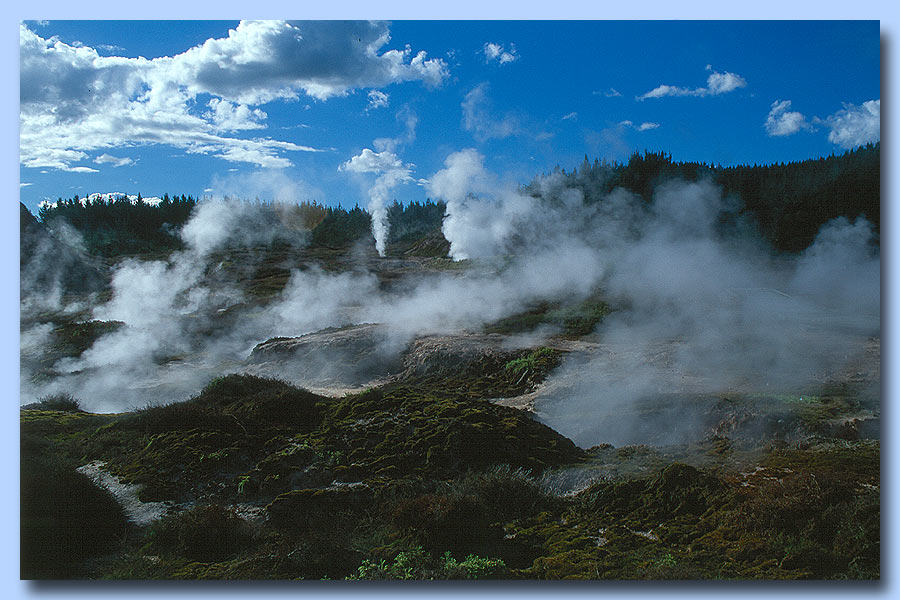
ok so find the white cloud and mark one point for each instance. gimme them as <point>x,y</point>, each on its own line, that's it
<point>855,125</point>
<point>113,160</point>
<point>111,48</point>
<point>716,84</point>
<point>496,52</point>
<point>74,101</point>
<point>642,127</point>
<point>107,196</point>
<point>571,115</point>
<point>609,93</point>
<point>23,184</point>
<point>783,121</point>
<point>722,83</point>
<point>478,119</point>
<point>228,116</point>
<point>377,99</point>
<point>260,61</point>
<point>369,161</point>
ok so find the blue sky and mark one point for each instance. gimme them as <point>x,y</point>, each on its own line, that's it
<point>347,112</point>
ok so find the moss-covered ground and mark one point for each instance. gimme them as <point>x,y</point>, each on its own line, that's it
<point>571,319</point>
<point>411,481</point>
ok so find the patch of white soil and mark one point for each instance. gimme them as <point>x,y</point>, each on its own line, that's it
<point>138,512</point>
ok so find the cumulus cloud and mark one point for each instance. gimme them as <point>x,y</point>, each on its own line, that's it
<point>260,61</point>
<point>716,84</point>
<point>783,121</point>
<point>478,119</point>
<point>609,93</point>
<point>855,125</point>
<point>228,116</point>
<point>372,162</point>
<point>75,101</point>
<point>377,99</point>
<point>497,52</point>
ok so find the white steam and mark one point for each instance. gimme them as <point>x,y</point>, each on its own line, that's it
<point>702,307</point>
<point>391,172</point>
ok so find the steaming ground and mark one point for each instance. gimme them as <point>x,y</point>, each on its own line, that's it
<point>646,395</point>
<point>702,308</point>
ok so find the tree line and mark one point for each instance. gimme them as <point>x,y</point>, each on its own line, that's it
<point>114,226</point>
<point>789,202</point>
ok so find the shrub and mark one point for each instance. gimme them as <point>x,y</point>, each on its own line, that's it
<point>235,403</point>
<point>63,402</point>
<point>178,416</point>
<point>205,533</point>
<point>419,564</point>
<point>261,401</point>
<point>507,493</point>
<point>441,521</point>
<point>543,359</point>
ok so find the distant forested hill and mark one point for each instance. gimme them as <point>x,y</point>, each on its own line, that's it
<point>788,202</point>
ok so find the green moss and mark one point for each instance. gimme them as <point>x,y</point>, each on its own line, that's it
<point>541,360</point>
<point>62,402</point>
<point>378,474</point>
<point>571,319</point>
<point>421,434</point>
<point>504,374</point>
<point>72,339</point>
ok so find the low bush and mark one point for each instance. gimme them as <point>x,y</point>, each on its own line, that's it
<point>206,533</point>
<point>418,564</point>
<point>63,402</point>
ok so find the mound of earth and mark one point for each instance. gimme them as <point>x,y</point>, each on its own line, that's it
<point>335,357</point>
<point>336,361</point>
<point>448,354</point>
